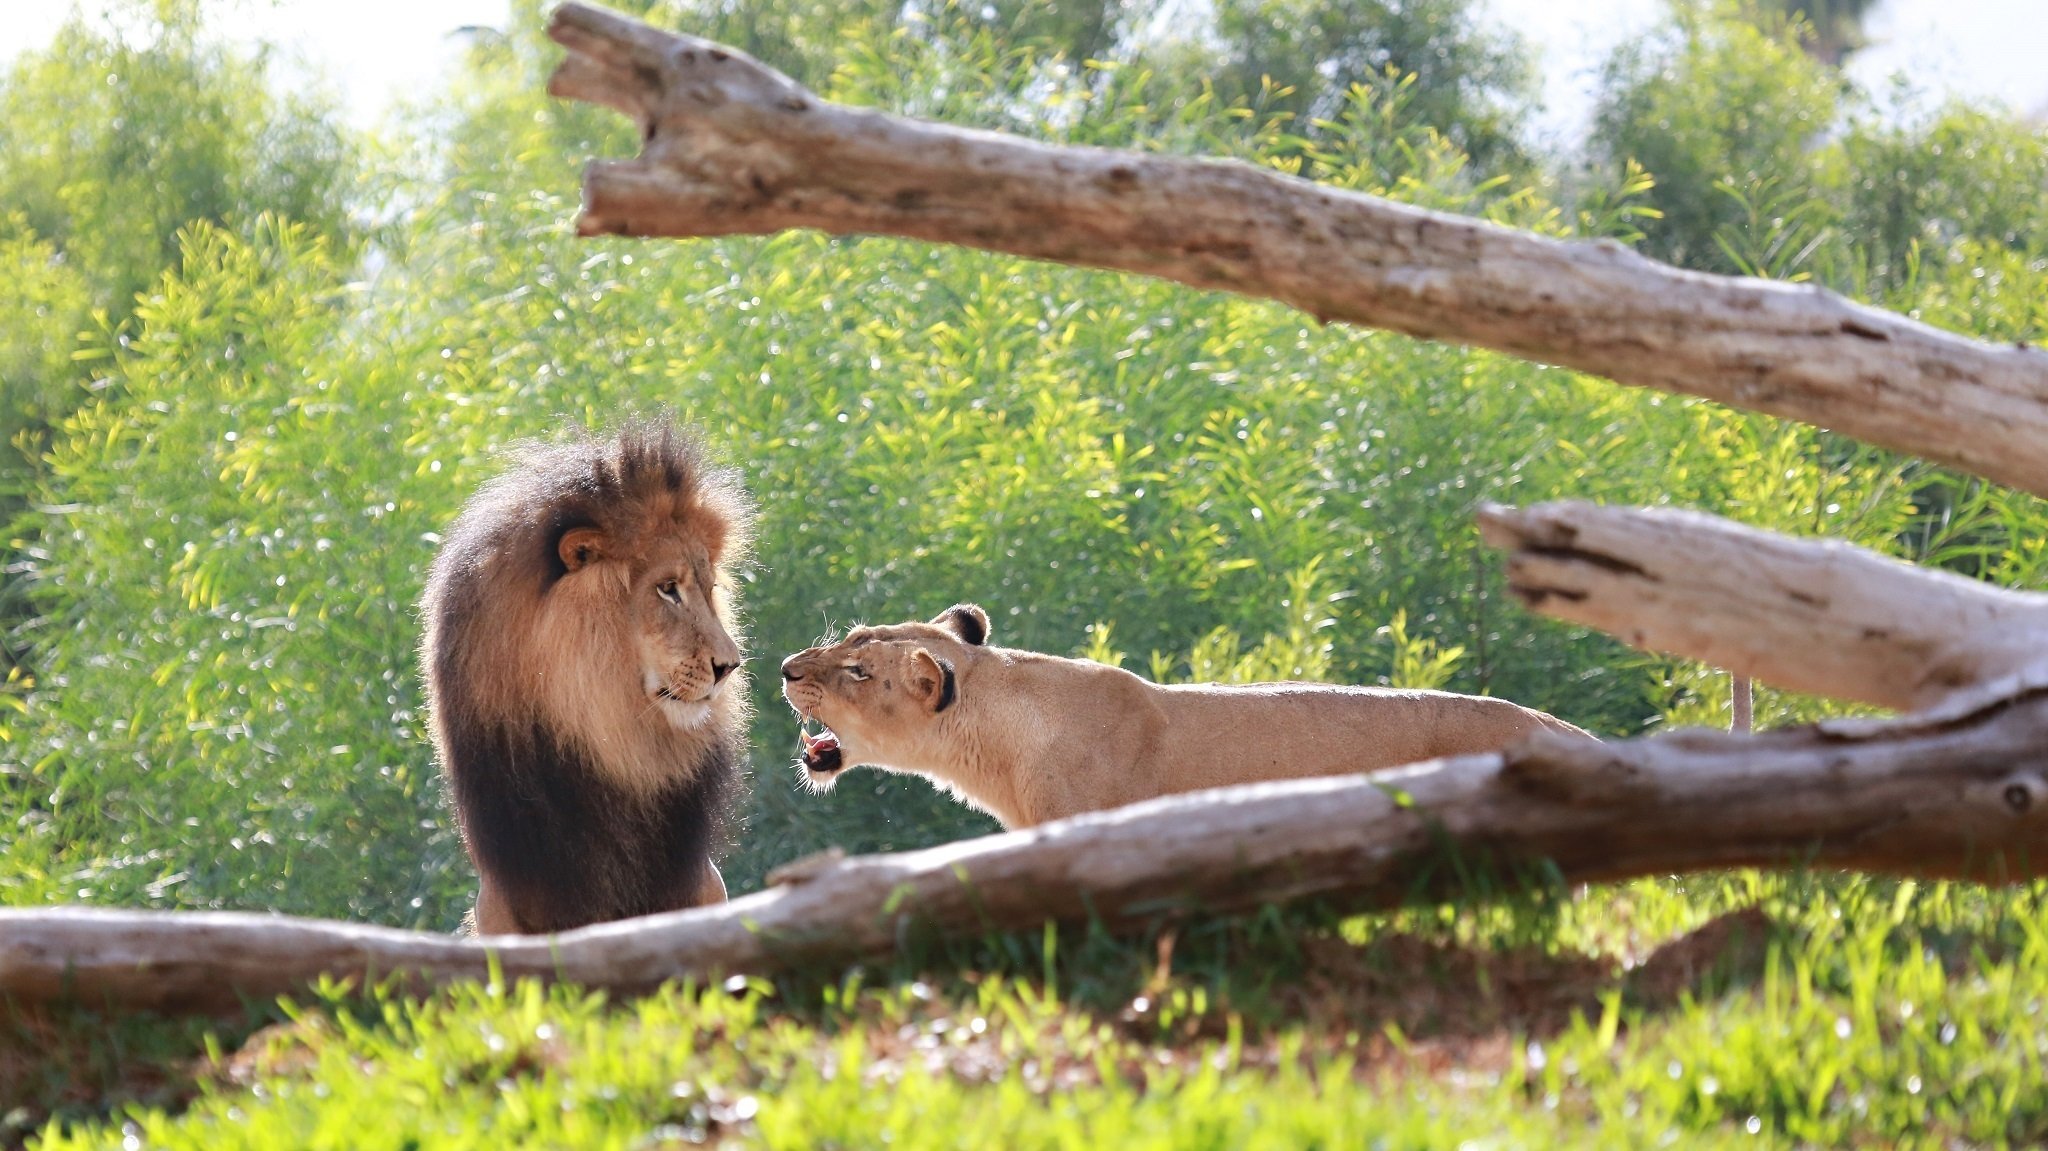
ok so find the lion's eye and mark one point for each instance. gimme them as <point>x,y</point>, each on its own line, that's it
<point>857,671</point>
<point>668,590</point>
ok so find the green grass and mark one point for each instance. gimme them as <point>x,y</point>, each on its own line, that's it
<point>1750,1009</point>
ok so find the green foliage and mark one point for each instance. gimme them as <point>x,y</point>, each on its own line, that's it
<point>1965,180</point>
<point>808,39</point>
<point>1829,29</point>
<point>116,138</point>
<point>113,141</point>
<point>1706,104</point>
<point>1765,164</point>
<point>1298,651</point>
<point>46,307</point>
<point>1463,80</point>
<point>1419,662</point>
<point>225,568</point>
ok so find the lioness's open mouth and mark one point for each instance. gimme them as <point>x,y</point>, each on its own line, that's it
<point>820,752</point>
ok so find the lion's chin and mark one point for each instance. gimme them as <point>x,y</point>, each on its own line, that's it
<point>685,715</point>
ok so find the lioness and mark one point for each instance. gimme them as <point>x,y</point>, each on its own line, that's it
<point>584,685</point>
<point>1030,737</point>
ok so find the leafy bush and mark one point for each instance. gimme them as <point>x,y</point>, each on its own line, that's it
<point>117,137</point>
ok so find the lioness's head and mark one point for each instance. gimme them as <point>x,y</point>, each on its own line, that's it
<point>880,691</point>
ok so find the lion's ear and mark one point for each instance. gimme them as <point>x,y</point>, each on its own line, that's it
<point>931,680</point>
<point>967,621</point>
<point>579,547</point>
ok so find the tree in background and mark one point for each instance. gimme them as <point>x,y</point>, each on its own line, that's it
<point>117,137</point>
<point>1295,58</point>
<point>1766,163</point>
<point>1470,82</point>
<point>1724,114</point>
<point>114,140</point>
<point>1832,28</point>
<point>1931,186</point>
<point>807,38</point>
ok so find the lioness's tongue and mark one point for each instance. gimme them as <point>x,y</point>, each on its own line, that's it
<point>820,751</point>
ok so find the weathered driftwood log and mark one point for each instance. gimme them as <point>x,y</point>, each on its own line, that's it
<point>1962,794</point>
<point>732,146</point>
<point>1817,616</point>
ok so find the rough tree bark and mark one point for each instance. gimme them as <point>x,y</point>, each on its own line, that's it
<point>732,146</point>
<point>1959,788</point>
<point>1821,617</point>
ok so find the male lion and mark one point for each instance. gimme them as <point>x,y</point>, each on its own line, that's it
<point>1030,737</point>
<point>587,703</point>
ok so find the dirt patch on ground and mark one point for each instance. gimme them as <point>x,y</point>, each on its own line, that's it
<point>1723,951</point>
<point>1438,1009</point>
<point>70,1063</point>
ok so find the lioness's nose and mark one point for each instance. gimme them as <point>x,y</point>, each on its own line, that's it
<point>720,670</point>
<point>789,668</point>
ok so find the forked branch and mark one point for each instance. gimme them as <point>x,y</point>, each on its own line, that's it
<point>732,146</point>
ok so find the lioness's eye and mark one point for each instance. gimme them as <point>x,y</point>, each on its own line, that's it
<point>857,671</point>
<point>667,590</point>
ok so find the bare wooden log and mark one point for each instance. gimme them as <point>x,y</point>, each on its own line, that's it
<point>1816,616</point>
<point>1963,795</point>
<point>732,146</point>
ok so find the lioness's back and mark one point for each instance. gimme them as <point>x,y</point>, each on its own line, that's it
<point>1242,732</point>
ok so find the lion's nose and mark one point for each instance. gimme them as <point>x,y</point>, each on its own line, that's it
<point>790,670</point>
<point>720,670</point>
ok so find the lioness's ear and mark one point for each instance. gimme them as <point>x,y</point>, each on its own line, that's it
<point>580,546</point>
<point>967,621</point>
<point>931,680</point>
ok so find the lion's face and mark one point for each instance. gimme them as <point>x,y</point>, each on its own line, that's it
<point>685,655</point>
<point>879,690</point>
<point>638,625</point>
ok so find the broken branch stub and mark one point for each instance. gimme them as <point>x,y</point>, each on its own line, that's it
<point>1963,796</point>
<point>731,146</point>
<point>1817,616</point>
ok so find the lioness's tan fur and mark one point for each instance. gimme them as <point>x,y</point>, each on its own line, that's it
<point>1030,737</point>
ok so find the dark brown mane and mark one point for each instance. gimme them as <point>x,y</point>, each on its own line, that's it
<point>560,836</point>
<point>648,473</point>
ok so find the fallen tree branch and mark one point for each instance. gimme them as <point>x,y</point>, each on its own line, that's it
<point>732,146</point>
<point>1961,796</point>
<point>1817,616</point>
